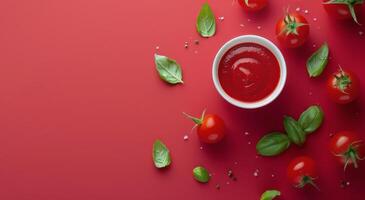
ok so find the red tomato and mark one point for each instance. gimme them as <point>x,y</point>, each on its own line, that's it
<point>253,5</point>
<point>301,171</point>
<point>348,148</point>
<point>342,9</point>
<point>210,128</point>
<point>292,30</point>
<point>343,87</point>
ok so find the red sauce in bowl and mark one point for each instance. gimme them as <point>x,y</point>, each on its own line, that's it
<point>249,72</point>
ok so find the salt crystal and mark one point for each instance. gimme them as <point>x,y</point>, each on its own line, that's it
<point>242,25</point>
<point>315,19</point>
<point>221,18</point>
<point>186,137</point>
<point>306,11</point>
<point>157,47</point>
<point>186,45</point>
<point>256,174</point>
<point>247,133</point>
<point>249,143</point>
<point>297,9</point>
<point>259,27</point>
<point>201,148</point>
<point>272,175</point>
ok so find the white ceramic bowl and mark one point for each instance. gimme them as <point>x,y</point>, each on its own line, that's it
<point>251,39</point>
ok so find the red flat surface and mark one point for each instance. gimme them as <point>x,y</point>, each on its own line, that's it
<point>81,103</point>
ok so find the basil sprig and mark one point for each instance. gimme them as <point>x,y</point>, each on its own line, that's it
<point>270,194</point>
<point>201,174</point>
<point>311,119</point>
<point>318,61</point>
<point>161,154</point>
<point>205,23</point>
<point>273,144</point>
<point>294,131</point>
<point>168,69</point>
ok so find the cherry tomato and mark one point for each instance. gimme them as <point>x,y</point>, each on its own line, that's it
<point>343,9</point>
<point>292,30</point>
<point>210,128</point>
<point>343,87</point>
<point>253,5</point>
<point>348,148</point>
<point>301,171</point>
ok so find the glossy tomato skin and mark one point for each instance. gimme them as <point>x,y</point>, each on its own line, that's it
<point>349,94</point>
<point>340,11</point>
<point>341,143</point>
<point>299,168</point>
<point>253,5</point>
<point>211,130</point>
<point>292,40</point>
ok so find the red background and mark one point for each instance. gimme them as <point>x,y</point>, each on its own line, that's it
<point>81,102</point>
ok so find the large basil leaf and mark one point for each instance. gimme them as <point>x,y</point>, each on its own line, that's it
<point>270,194</point>
<point>205,23</point>
<point>161,155</point>
<point>201,174</point>
<point>318,61</point>
<point>272,144</point>
<point>294,131</point>
<point>311,119</point>
<point>168,69</point>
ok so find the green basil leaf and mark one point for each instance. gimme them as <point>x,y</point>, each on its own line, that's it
<point>294,131</point>
<point>205,23</point>
<point>201,174</point>
<point>168,69</point>
<point>161,155</point>
<point>272,144</point>
<point>318,61</point>
<point>270,194</point>
<point>311,119</point>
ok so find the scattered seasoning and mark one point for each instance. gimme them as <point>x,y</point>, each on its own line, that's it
<point>186,45</point>
<point>248,20</point>
<point>306,11</point>
<point>256,173</point>
<point>361,33</point>
<point>249,143</point>
<point>297,9</point>
<point>227,182</point>
<point>344,184</point>
<point>236,163</point>
<point>196,52</point>
<point>272,175</point>
<point>314,45</point>
<point>221,18</point>
<point>315,19</point>
<point>234,178</point>
<point>186,137</point>
<point>331,134</point>
<point>217,186</point>
<point>258,27</point>
<point>246,133</point>
<point>201,148</point>
<point>196,42</point>
<point>157,47</point>
<point>230,173</point>
<point>242,25</point>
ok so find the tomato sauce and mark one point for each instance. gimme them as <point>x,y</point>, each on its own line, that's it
<point>249,72</point>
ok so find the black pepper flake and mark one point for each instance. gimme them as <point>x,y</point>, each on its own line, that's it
<point>196,42</point>
<point>218,187</point>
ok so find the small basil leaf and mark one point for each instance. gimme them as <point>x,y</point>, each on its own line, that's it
<point>311,119</point>
<point>205,23</point>
<point>168,69</point>
<point>294,131</point>
<point>161,155</point>
<point>318,61</point>
<point>270,194</point>
<point>272,144</point>
<point>201,174</point>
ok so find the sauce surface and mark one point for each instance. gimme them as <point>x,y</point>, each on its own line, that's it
<point>249,72</point>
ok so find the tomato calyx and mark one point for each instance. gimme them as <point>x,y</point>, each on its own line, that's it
<point>291,25</point>
<point>352,155</point>
<point>350,4</point>
<point>197,121</point>
<point>342,81</point>
<point>305,180</point>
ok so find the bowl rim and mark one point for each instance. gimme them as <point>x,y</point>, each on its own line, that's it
<point>258,40</point>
